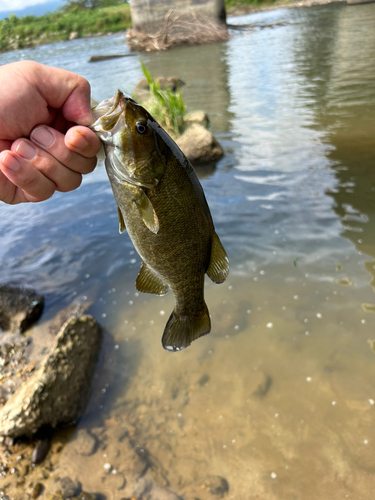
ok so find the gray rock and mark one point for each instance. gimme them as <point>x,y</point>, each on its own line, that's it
<point>217,485</point>
<point>68,487</point>
<point>21,355</point>
<point>19,308</point>
<point>158,493</point>
<point>141,91</point>
<point>84,443</point>
<point>198,116</point>
<point>115,481</point>
<point>59,390</point>
<point>172,82</point>
<point>199,145</point>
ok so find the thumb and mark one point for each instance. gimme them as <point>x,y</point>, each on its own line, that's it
<point>63,90</point>
<point>77,107</point>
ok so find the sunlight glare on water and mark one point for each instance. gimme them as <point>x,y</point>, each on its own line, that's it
<point>278,401</point>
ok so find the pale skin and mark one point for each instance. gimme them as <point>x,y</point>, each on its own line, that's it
<point>45,145</point>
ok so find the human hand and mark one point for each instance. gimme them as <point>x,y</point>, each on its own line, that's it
<point>41,151</point>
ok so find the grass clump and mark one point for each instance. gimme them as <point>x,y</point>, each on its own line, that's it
<point>165,105</point>
<point>230,4</point>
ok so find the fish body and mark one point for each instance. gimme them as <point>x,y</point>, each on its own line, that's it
<point>162,206</point>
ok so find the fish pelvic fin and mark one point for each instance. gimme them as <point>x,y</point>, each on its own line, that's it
<point>218,267</point>
<point>180,331</point>
<point>148,282</point>
<point>121,222</point>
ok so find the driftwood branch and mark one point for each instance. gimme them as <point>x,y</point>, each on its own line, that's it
<point>254,26</point>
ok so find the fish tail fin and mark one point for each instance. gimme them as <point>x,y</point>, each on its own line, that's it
<point>180,331</point>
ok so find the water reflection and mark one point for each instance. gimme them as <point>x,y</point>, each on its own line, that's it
<point>205,71</point>
<point>334,58</point>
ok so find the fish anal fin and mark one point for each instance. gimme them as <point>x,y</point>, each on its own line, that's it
<point>121,222</point>
<point>180,331</point>
<point>218,267</point>
<point>149,282</point>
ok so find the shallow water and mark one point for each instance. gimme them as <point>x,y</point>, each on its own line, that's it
<point>279,398</point>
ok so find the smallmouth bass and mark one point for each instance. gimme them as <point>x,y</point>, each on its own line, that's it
<point>162,206</point>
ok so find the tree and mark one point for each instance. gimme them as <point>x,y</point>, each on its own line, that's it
<point>89,4</point>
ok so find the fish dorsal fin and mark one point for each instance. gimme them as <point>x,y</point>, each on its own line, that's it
<point>149,282</point>
<point>147,212</point>
<point>121,223</point>
<point>219,264</point>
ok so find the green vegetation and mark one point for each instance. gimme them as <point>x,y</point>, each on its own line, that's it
<point>29,31</point>
<point>84,17</point>
<point>230,4</point>
<point>165,105</point>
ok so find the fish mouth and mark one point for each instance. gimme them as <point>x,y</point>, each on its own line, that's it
<point>108,114</point>
<point>108,106</point>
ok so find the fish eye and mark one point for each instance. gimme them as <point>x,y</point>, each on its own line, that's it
<point>141,127</point>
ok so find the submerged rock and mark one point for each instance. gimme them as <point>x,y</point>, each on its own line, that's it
<point>59,390</point>
<point>199,145</point>
<point>84,443</point>
<point>211,488</point>
<point>19,308</point>
<point>216,485</point>
<point>68,487</point>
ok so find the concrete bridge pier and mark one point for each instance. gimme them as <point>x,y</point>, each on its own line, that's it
<point>148,15</point>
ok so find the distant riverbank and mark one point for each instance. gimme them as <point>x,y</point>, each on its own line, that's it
<point>31,31</point>
<point>247,8</point>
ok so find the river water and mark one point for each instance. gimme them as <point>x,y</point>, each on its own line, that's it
<point>278,401</point>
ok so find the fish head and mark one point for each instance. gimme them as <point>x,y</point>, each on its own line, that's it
<point>134,150</point>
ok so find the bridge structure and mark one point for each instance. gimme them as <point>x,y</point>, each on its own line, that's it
<point>149,15</point>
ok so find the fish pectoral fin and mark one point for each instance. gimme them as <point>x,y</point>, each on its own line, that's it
<point>218,267</point>
<point>121,222</point>
<point>180,331</point>
<point>146,211</point>
<point>148,282</point>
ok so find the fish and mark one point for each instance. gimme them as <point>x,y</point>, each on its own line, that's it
<point>162,206</point>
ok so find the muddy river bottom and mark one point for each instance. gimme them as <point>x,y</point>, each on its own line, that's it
<point>276,403</point>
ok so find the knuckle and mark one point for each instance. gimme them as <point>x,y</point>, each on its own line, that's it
<point>36,186</point>
<point>90,165</point>
<point>73,183</point>
<point>29,182</point>
<point>43,193</point>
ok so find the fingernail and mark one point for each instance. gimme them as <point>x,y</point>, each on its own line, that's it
<point>78,141</point>
<point>11,162</point>
<point>43,136</point>
<point>26,150</point>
